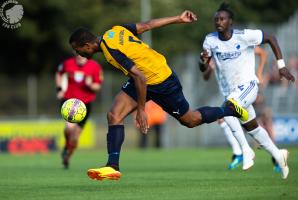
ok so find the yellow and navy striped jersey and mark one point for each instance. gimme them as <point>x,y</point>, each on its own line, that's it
<point>123,49</point>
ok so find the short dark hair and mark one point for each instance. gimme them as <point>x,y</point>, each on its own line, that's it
<point>226,7</point>
<point>81,36</point>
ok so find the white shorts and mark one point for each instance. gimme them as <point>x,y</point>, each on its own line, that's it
<point>246,95</point>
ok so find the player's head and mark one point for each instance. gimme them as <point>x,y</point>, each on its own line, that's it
<point>223,18</point>
<point>84,42</point>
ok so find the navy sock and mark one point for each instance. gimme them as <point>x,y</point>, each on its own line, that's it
<point>211,114</point>
<point>115,138</point>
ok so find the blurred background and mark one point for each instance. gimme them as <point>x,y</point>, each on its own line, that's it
<point>30,119</point>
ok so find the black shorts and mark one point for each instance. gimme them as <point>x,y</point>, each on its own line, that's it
<point>88,107</point>
<point>167,95</point>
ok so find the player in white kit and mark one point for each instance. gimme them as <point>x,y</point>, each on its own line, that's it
<point>233,53</point>
<point>237,156</point>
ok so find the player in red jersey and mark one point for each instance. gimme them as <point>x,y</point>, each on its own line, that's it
<point>80,78</point>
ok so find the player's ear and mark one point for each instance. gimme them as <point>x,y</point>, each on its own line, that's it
<point>230,22</point>
<point>87,45</point>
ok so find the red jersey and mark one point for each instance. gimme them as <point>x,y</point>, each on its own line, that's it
<point>76,77</point>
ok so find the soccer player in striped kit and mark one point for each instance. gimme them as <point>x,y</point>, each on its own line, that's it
<point>150,79</point>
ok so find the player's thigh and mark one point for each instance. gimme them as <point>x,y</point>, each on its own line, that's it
<point>177,106</point>
<point>173,103</point>
<point>122,106</point>
<point>169,96</point>
<point>245,94</point>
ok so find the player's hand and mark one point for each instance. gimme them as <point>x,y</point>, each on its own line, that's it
<point>88,81</point>
<point>188,17</point>
<point>284,72</point>
<point>204,59</point>
<point>261,79</point>
<point>204,56</point>
<point>142,121</point>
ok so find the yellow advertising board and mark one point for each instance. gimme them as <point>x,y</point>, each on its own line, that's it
<point>40,133</point>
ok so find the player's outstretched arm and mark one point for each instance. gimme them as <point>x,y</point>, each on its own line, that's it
<point>283,71</point>
<point>186,17</point>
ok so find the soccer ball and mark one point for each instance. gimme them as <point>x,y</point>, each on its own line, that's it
<point>73,110</point>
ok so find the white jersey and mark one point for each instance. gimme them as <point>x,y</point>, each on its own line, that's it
<point>234,58</point>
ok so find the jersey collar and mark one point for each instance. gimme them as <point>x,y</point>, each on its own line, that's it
<point>222,39</point>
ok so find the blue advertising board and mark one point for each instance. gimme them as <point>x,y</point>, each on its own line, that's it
<point>286,130</point>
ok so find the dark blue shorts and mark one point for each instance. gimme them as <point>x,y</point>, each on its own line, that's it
<point>167,95</point>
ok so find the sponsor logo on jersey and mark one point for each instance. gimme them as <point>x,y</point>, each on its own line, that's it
<point>121,34</point>
<point>111,34</point>
<point>228,55</point>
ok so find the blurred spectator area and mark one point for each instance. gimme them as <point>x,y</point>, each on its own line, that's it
<point>34,96</point>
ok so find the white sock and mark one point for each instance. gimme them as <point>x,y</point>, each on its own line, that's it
<point>262,137</point>
<point>231,139</point>
<point>238,133</point>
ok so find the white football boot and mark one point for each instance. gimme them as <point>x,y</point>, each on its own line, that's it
<point>282,162</point>
<point>248,159</point>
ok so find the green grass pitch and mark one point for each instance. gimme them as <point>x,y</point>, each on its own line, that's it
<point>151,174</point>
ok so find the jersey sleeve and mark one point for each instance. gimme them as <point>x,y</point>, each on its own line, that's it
<point>131,27</point>
<point>253,37</point>
<point>207,47</point>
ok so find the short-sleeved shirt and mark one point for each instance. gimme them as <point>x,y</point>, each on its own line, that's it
<point>76,77</point>
<point>123,49</point>
<point>234,58</point>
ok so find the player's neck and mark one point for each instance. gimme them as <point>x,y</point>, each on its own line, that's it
<point>98,41</point>
<point>226,35</point>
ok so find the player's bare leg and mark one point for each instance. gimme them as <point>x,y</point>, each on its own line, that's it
<point>122,106</point>
<point>71,133</point>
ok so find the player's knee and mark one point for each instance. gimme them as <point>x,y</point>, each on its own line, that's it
<point>73,144</point>
<point>251,125</point>
<point>191,125</point>
<point>113,118</point>
<point>68,130</point>
<point>188,124</point>
<point>191,119</point>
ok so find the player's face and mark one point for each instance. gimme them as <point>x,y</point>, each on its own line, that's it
<point>222,21</point>
<point>87,50</point>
